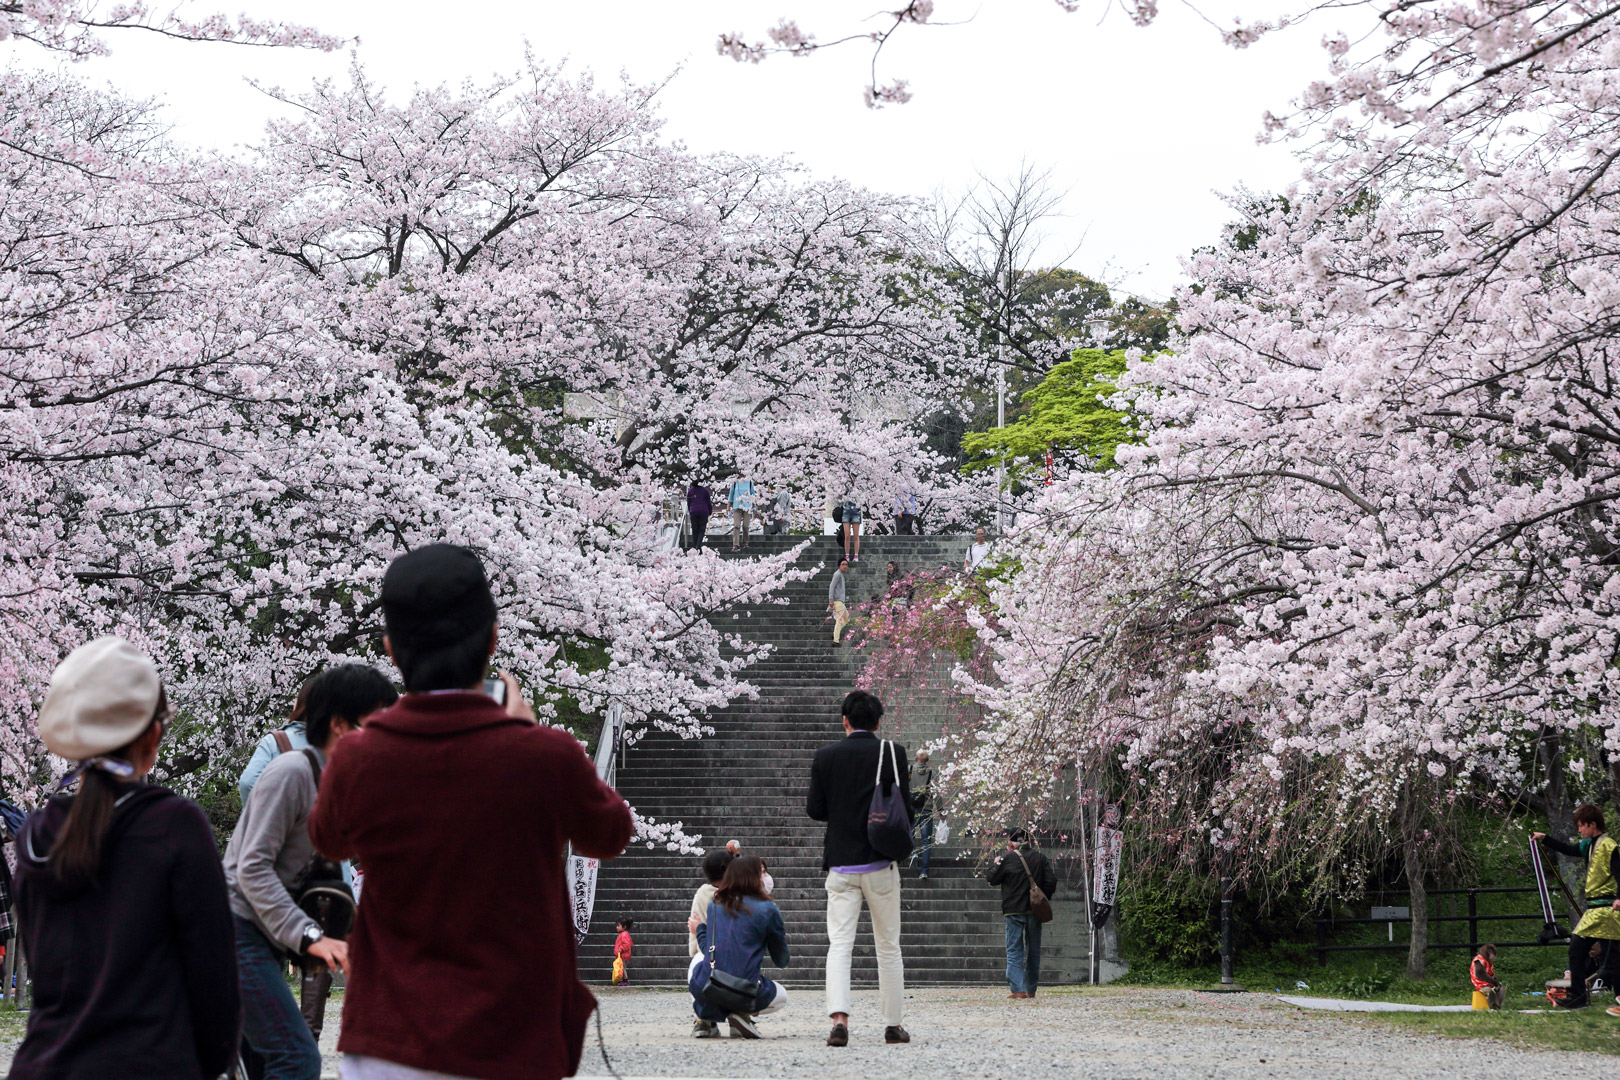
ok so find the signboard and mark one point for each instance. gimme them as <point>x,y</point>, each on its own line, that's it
<point>1392,914</point>
<point>581,893</point>
<point>1105,882</point>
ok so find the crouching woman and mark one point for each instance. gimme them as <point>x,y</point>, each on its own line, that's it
<point>740,927</point>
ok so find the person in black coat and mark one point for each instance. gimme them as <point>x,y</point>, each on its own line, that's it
<point>120,895</point>
<point>843,777</point>
<point>1013,870</point>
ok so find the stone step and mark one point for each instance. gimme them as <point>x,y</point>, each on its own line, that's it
<point>747,779</point>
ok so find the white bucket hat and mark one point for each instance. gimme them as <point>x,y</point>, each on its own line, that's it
<point>102,697</point>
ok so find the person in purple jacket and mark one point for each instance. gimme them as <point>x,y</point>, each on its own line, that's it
<point>699,505</point>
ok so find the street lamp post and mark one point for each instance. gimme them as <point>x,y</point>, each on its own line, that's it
<point>1001,422</point>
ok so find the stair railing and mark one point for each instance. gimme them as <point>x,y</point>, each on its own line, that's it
<point>609,743</point>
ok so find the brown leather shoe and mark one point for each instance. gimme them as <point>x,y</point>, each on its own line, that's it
<point>839,1036</point>
<point>896,1034</point>
<point>1017,995</point>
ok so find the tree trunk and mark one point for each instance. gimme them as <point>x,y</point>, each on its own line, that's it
<point>1560,808</point>
<point>1417,952</point>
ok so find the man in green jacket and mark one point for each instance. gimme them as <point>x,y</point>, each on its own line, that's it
<point>1601,922</point>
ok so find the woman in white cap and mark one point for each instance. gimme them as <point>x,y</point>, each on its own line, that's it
<point>120,895</point>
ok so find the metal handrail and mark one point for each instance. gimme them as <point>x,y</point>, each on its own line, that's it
<point>608,744</point>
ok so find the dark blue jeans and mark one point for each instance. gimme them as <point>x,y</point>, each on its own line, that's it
<point>1023,953</point>
<point>271,1022</point>
<point>925,839</point>
<point>699,974</point>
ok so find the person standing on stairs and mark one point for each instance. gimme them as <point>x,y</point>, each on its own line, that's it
<point>838,601</point>
<point>905,513</point>
<point>977,552</point>
<point>741,498</point>
<point>699,505</point>
<point>851,518</point>
<point>1015,870</point>
<point>843,777</point>
<point>922,805</point>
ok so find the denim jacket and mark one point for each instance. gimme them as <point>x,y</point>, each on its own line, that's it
<point>742,940</point>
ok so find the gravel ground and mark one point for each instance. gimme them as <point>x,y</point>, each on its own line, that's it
<point>1104,1034</point>
<point>1065,1033</point>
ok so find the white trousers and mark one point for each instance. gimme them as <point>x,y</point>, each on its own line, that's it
<point>881,891</point>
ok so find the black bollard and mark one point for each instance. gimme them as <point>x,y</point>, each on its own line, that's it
<point>1226,930</point>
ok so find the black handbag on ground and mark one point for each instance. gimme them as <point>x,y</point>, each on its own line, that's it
<point>888,825</point>
<point>733,993</point>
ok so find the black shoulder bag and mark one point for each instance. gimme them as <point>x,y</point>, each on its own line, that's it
<point>733,993</point>
<point>888,825</point>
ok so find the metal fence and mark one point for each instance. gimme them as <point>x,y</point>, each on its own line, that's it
<point>1324,926</point>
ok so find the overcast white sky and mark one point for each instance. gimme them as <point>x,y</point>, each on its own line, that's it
<point>1141,127</point>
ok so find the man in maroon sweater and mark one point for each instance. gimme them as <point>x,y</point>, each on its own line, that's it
<point>462,960</point>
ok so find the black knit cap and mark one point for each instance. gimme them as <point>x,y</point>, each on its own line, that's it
<point>436,595</point>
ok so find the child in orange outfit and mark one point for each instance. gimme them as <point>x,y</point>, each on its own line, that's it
<point>621,951</point>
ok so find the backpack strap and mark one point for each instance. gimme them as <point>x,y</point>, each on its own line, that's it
<point>283,743</point>
<point>314,766</point>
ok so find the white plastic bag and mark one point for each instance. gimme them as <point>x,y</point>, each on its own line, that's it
<point>942,833</point>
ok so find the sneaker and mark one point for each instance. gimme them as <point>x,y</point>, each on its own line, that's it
<point>896,1034</point>
<point>742,1027</point>
<point>1567,1003</point>
<point>922,877</point>
<point>705,1029</point>
<point>1613,1010</point>
<point>839,1036</point>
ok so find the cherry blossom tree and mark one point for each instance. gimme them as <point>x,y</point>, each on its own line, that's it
<point>76,27</point>
<point>1362,564</point>
<point>237,388</point>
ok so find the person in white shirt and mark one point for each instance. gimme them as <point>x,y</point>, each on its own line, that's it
<point>977,552</point>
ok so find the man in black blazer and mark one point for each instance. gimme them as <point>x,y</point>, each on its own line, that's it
<point>842,779</point>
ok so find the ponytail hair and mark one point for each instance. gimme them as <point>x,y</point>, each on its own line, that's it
<point>76,853</point>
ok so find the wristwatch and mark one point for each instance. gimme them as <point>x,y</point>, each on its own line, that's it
<point>312,934</point>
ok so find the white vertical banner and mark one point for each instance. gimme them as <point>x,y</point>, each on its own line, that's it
<point>1105,886</point>
<point>581,893</point>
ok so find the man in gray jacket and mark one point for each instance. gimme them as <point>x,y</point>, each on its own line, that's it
<point>268,852</point>
<point>836,601</point>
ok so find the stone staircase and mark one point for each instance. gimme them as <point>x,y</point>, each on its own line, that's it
<point>748,781</point>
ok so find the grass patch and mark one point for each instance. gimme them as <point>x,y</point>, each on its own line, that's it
<point>1592,1029</point>
<point>13,1025</point>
